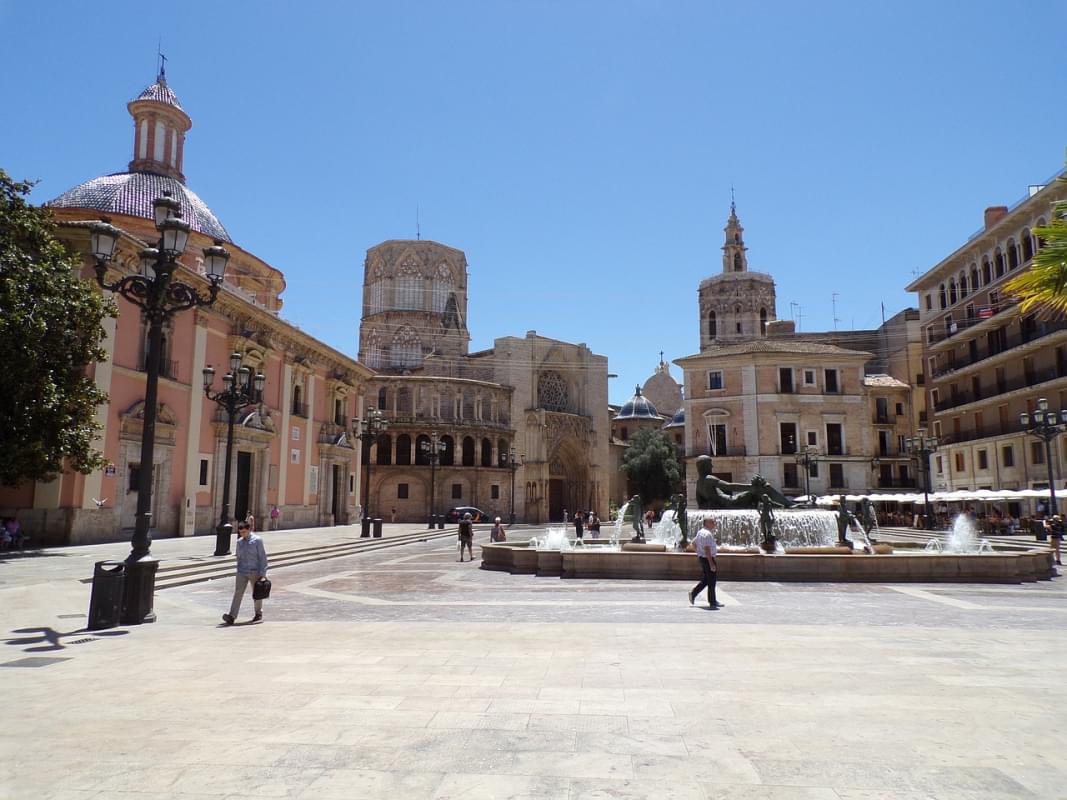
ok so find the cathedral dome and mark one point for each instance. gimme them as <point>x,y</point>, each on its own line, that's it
<point>637,407</point>
<point>160,125</point>
<point>662,390</point>
<point>132,193</point>
<point>678,420</point>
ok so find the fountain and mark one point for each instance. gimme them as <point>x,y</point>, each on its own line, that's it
<point>763,536</point>
<point>962,539</point>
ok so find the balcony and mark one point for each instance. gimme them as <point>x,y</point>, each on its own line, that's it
<point>167,368</point>
<point>984,314</point>
<point>896,483</point>
<point>730,452</point>
<point>885,419</point>
<point>1040,330</point>
<point>1004,387</point>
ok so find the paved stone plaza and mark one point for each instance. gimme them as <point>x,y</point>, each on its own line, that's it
<point>399,673</point>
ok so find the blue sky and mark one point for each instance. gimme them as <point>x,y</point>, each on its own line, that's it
<point>580,153</point>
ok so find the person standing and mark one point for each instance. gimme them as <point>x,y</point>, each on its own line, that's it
<point>1054,526</point>
<point>274,515</point>
<point>251,566</point>
<point>497,534</point>
<point>565,517</point>
<point>251,521</point>
<point>707,551</point>
<point>578,526</point>
<point>466,536</point>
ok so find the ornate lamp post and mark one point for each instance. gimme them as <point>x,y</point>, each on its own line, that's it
<point>876,463</point>
<point>432,450</point>
<point>510,461</point>
<point>159,296</point>
<point>1046,425</point>
<point>240,390</point>
<point>808,459</point>
<point>920,447</point>
<point>368,429</point>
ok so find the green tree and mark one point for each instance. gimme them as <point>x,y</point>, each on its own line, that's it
<point>651,464</point>
<point>50,332</point>
<point>1044,285</point>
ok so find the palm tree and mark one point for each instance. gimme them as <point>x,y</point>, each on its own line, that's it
<point>1043,287</point>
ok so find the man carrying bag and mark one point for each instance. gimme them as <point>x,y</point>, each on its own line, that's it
<point>251,567</point>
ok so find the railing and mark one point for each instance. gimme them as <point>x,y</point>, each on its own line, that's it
<point>985,313</point>
<point>982,432</point>
<point>885,419</point>
<point>300,410</point>
<point>167,368</point>
<point>896,483</point>
<point>1041,329</point>
<point>1003,387</point>
<point>727,452</point>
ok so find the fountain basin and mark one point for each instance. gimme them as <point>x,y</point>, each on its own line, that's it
<point>819,566</point>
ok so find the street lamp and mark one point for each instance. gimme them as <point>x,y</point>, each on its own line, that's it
<point>159,296</point>
<point>510,461</point>
<point>240,390</point>
<point>876,463</point>
<point>920,447</point>
<point>808,459</point>
<point>432,449</point>
<point>368,429</point>
<point>1046,425</point>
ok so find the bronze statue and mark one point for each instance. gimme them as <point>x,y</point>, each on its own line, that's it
<point>714,492</point>
<point>766,524</point>
<point>681,517</point>
<point>844,520</point>
<point>867,516</point>
<point>638,518</point>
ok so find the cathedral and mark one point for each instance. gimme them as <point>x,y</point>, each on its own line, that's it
<point>518,431</point>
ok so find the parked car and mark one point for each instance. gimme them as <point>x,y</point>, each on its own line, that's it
<point>456,514</point>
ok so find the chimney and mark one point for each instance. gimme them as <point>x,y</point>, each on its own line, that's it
<point>781,327</point>
<point>995,214</point>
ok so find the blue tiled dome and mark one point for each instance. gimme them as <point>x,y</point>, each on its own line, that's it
<point>161,93</point>
<point>637,407</point>
<point>132,193</point>
<point>678,420</point>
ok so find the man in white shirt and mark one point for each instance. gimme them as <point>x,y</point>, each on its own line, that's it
<point>707,550</point>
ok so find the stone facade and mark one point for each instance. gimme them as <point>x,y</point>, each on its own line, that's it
<point>536,398</point>
<point>984,362</point>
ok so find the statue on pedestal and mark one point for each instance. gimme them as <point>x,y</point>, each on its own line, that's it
<point>844,522</point>
<point>680,516</point>
<point>638,518</point>
<point>766,524</point>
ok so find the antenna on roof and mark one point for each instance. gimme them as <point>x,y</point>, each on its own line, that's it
<point>418,229</point>
<point>833,301</point>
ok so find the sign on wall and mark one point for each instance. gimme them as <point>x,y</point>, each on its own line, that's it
<point>313,480</point>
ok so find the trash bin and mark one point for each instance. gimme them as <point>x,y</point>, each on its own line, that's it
<point>377,529</point>
<point>105,602</point>
<point>364,528</point>
<point>431,522</point>
<point>440,522</point>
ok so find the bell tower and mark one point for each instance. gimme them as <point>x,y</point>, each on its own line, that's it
<point>160,124</point>
<point>734,258</point>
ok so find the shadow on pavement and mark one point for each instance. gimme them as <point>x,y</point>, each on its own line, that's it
<point>49,639</point>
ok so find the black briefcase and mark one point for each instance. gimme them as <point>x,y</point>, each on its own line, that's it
<point>261,589</point>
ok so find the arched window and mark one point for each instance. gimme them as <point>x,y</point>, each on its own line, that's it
<point>468,451</point>
<point>468,405</point>
<point>403,449</point>
<point>713,325</point>
<point>422,454</point>
<point>406,351</point>
<point>409,288</point>
<point>448,452</point>
<point>502,448</point>
<point>376,293</point>
<point>385,449</point>
<point>998,262</point>
<point>737,238</point>
<point>974,278</point>
<point>952,297</point>
<point>1028,245</point>
<point>737,262</point>
<point>942,295</point>
<point>1013,254</point>
<point>383,398</point>
<point>987,271</point>
<point>763,321</point>
<point>298,397</point>
<point>963,284</point>
<point>1038,241</point>
<point>487,453</point>
<point>737,319</point>
<point>403,402</point>
<point>442,288</point>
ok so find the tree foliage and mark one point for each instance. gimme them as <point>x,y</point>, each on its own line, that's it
<point>50,332</point>
<point>1043,287</point>
<point>651,464</point>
